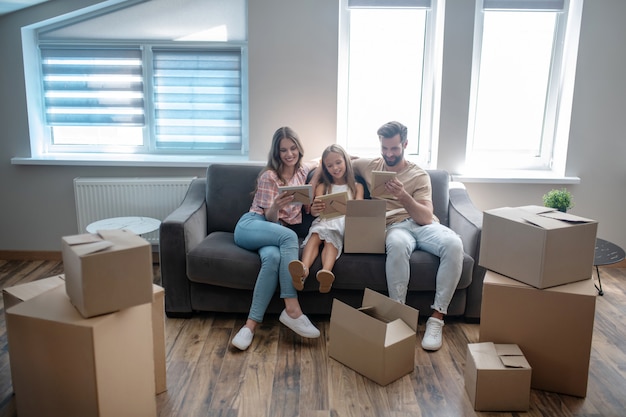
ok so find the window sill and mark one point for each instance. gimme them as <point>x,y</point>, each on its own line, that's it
<point>133,160</point>
<point>515,177</point>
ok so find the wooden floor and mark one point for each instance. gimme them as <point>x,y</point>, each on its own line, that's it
<point>284,375</point>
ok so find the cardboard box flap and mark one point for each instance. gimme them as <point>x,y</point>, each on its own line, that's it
<point>485,355</point>
<point>360,323</point>
<point>508,349</point>
<point>397,331</point>
<point>390,309</point>
<point>514,362</point>
<point>82,239</point>
<point>366,208</point>
<point>566,217</point>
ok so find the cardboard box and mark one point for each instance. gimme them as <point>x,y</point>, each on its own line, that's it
<point>497,377</point>
<point>365,226</point>
<point>539,246</point>
<point>377,340</point>
<point>158,338</point>
<point>18,293</point>
<point>66,365</point>
<point>107,272</point>
<point>553,327</point>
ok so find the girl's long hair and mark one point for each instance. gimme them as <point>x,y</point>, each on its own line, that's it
<point>327,179</point>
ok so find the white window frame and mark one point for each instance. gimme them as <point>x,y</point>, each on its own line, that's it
<point>557,113</point>
<point>422,144</point>
<point>40,133</point>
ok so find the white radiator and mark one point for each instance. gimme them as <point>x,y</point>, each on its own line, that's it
<point>102,198</point>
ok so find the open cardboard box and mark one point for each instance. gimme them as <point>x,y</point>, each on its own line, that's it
<point>63,364</point>
<point>376,340</point>
<point>19,293</point>
<point>537,245</point>
<point>365,226</point>
<point>108,271</point>
<point>497,377</point>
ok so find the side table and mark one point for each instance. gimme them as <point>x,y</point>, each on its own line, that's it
<point>606,253</point>
<point>137,225</point>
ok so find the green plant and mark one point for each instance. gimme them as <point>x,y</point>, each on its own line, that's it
<point>558,199</point>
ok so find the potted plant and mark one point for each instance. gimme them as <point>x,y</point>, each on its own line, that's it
<point>558,199</point>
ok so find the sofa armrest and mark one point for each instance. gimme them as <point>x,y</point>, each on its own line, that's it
<point>467,221</point>
<point>181,231</point>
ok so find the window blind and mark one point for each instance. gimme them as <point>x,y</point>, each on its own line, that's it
<point>529,5</point>
<point>198,99</point>
<point>389,4</point>
<point>92,86</point>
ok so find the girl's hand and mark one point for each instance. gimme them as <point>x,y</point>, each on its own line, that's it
<point>317,207</point>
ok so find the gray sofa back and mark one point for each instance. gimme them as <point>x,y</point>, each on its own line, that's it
<point>230,190</point>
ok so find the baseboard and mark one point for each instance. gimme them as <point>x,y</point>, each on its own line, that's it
<point>18,255</point>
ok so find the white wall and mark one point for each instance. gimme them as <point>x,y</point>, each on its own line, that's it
<point>293,81</point>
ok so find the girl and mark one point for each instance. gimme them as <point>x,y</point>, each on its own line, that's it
<point>337,176</point>
<point>265,229</point>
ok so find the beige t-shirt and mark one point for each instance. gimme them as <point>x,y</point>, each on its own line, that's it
<point>416,182</point>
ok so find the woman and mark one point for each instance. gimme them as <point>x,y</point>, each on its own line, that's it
<point>264,229</point>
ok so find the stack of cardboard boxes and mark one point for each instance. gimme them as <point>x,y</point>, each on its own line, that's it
<point>89,342</point>
<point>538,294</point>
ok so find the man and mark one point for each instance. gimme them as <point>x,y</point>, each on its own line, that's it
<point>411,224</point>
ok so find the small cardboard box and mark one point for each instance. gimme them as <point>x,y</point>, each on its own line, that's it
<point>365,226</point>
<point>497,377</point>
<point>66,365</point>
<point>539,246</point>
<point>553,327</point>
<point>107,272</point>
<point>377,340</point>
<point>18,293</point>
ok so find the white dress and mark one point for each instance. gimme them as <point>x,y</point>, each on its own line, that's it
<point>331,230</point>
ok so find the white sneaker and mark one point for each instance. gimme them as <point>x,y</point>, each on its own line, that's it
<point>243,338</point>
<point>302,325</point>
<point>433,336</point>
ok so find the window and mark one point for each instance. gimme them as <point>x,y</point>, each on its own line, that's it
<point>177,91</point>
<point>516,84</point>
<point>387,66</point>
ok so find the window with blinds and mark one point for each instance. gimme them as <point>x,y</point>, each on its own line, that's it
<point>143,98</point>
<point>197,99</point>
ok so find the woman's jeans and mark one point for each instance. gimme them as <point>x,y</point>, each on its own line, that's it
<point>277,246</point>
<point>403,238</point>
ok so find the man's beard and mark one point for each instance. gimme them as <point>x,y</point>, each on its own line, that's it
<point>395,160</point>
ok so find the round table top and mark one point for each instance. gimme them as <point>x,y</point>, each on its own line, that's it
<point>136,224</point>
<point>607,253</point>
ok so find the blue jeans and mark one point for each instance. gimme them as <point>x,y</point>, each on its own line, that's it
<point>277,246</point>
<point>403,238</point>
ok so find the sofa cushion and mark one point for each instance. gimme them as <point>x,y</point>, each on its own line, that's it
<point>218,261</point>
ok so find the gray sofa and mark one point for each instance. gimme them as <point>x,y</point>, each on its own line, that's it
<point>203,270</point>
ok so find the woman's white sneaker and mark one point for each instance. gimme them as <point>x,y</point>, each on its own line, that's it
<point>243,338</point>
<point>302,325</point>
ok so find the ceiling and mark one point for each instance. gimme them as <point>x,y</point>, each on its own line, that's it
<point>13,5</point>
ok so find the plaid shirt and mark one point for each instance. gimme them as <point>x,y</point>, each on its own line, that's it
<point>267,191</point>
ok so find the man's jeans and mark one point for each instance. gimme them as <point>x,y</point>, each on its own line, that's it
<point>403,238</point>
<point>277,246</point>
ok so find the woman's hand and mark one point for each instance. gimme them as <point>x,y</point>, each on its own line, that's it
<point>281,200</point>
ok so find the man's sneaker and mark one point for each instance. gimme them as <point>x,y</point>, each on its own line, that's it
<point>243,338</point>
<point>433,335</point>
<point>301,325</point>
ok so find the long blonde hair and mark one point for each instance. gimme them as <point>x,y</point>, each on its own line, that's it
<point>327,179</point>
